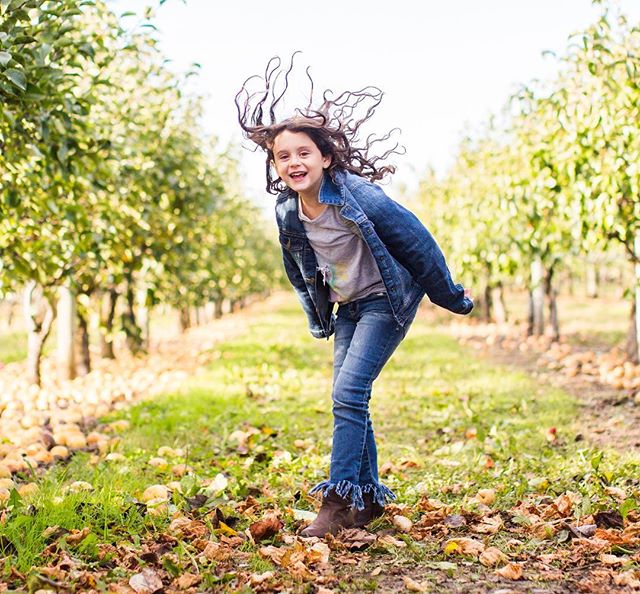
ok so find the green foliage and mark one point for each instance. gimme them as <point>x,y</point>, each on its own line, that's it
<point>556,174</point>
<point>105,175</point>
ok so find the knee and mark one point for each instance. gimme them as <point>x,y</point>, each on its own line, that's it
<point>355,397</point>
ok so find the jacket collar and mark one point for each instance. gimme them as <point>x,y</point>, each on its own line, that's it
<point>330,191</point>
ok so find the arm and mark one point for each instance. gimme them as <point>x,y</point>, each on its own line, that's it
<point>411,244</point>
<point>296,280</point>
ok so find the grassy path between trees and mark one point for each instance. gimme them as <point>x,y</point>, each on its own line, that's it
<point>498,494</point>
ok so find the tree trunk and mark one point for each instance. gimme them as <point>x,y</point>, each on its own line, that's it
<point>487,304</point>
<point>217,308</point>
<point>632,336</point>
<point>39,315</point>
<point>66,331</point>
<point>185,321</point>
<point>499,307</point>
<point>129,323</point>
<point>107,315</point>
<point>593,280</point>
<point>143,316</point>
<point>82,344</point>
<point>634,326</point>
<point>537,298</point>
<point>552,300</point>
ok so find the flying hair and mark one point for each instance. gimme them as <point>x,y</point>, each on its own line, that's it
<point>333,126</point>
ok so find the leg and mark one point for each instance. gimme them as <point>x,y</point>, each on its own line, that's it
<point>376,336</point>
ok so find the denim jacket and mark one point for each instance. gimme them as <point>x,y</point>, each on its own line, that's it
<point>410,261</point>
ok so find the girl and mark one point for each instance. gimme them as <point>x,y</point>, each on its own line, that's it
<point>345,242</point>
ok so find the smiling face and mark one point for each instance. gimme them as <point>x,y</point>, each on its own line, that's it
<point>299,163</point>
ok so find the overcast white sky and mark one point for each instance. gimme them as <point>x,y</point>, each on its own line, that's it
<point>443,65</point>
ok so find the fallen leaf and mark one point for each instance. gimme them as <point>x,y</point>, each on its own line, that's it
<point>463,546</point>
<point>413,586</point>
<point>300,571</point>
<point>258,578</point>
<point>608,519</point>
<point>492,556</point>
<point>187,580</point>
<point>269,526</point>
<point>318,553</point>
<point>616,492</point>
<point>511,571</point>
<point>388,539</point>
<point>303,514</point>
<point>214,551</point>
<point>146,581</point>
<point>489,525</point>
<point>455,521</point>
<point>630,578</point>
<point>355,539</point>
<point>607,559</point>
<point>275,554</point>
<point>76,536</point>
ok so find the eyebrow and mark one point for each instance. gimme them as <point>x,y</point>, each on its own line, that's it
<point>300,148</point>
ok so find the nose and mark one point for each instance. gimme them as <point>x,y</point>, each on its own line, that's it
<point>294,160</point>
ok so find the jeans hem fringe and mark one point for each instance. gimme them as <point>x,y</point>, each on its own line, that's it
<point>348,490</point>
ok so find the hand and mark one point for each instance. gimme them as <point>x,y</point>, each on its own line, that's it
<point>467,293</point>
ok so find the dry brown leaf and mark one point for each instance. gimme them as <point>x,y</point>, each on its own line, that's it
<point>511,571</point>
<point>146,582</point>
<point>318,553</point>
<point>607,559</point>
<point>616,493</point>
<point>630,578</point>
<point>463,546</point>
<point>489,525</point>
<point>275,554</point>
<point>265,528</point>
<point>188,529</point>
<point>355,539</point>
<point>413,586</point>
<point>76,536</point>
<point>492,556</point>
<point>300,571</point>
<point>388,539</point>
<point>259,578</point>
<point>214,551</point>
<point>187,580</point>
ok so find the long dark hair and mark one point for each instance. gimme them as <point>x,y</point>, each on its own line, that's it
<point>332,126</point>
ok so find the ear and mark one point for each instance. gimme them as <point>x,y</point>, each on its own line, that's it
<point>326,161</point>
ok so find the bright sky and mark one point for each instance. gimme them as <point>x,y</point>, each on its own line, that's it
<point>443,65</point>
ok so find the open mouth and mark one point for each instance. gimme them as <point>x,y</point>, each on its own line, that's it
<point>298,176</point>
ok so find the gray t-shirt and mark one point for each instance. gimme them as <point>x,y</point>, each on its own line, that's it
<point>345,260</point>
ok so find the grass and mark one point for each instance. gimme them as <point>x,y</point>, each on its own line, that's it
<point>273,384</point>
<point>13,346</point>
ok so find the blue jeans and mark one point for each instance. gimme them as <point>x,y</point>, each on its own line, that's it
<point>366,336</point>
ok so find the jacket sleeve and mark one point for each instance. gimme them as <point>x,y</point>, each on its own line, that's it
<point>295,278</point>
<point>411,244</point>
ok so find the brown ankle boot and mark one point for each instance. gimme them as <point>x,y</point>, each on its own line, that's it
<point>371,511</point>
<point>335,513</point>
